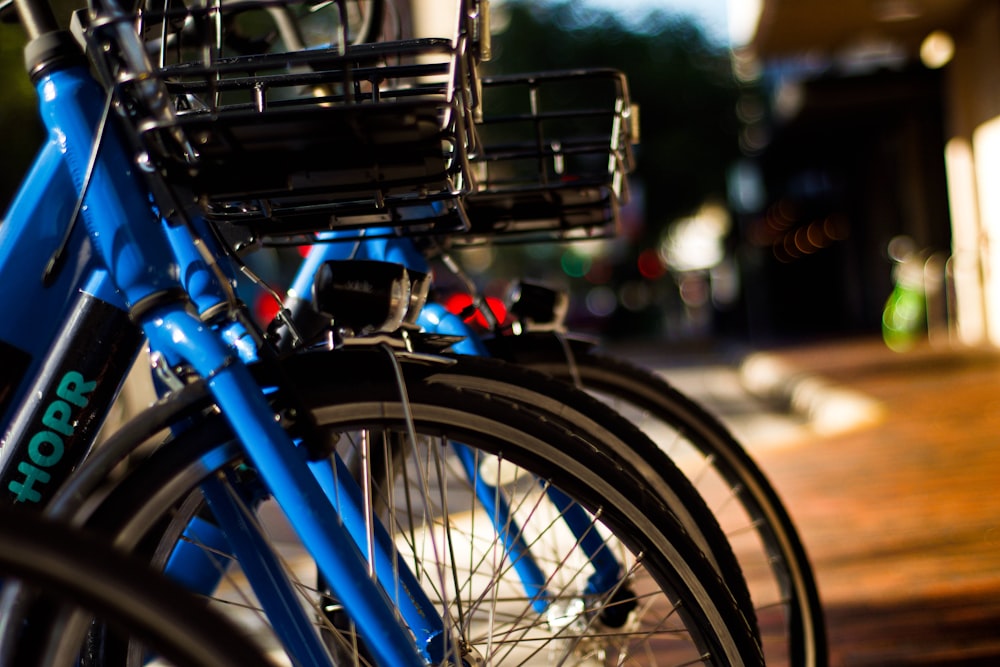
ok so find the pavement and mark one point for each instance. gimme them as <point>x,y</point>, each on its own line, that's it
<point>889,465</point>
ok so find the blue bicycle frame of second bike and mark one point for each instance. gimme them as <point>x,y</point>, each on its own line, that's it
<point>383,245</point>
<point>73,331</point>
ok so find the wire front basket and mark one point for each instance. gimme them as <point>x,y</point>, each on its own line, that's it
<point>280,119</point>
<point>555,149</point>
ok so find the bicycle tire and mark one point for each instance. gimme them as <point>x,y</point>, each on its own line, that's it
<point>491,425</point>
<point>589,418</point>
<point>802,640</point>
<point>77,569</point>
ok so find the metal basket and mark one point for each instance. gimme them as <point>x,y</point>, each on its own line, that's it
<point>278,123</point>
<point>555,148</point>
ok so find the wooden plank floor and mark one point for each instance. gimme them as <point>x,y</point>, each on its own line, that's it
<point>902,519</point>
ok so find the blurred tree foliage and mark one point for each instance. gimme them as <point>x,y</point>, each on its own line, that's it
<point>682,82</point>
<point>20,130</point>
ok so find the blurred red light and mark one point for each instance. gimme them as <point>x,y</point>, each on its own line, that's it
<point>458,303</point>
<point>649,264</point>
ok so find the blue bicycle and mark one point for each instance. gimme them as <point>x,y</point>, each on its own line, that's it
<point>554,152</point>
<point>560,549</point>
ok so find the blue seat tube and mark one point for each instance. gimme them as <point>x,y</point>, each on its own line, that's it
<point>438,319</point>
<point>509,533</point>
<point>607,571</point>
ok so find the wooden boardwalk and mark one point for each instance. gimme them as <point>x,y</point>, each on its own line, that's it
<point>902,518</point>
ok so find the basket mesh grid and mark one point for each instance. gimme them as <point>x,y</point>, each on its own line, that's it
<point>280,123</point>
<point>555,149</point>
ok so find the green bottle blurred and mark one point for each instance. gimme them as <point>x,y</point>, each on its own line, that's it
<point>904,318</point>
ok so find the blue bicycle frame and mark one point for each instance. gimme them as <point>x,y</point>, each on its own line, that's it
<point>80,326</point>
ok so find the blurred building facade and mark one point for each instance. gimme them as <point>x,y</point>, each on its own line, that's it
<point>873,119</point>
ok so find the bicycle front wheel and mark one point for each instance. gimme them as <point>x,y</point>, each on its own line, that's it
<point>75,570</point>
<point>624,585</point>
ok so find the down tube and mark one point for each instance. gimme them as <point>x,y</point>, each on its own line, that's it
<point>64,356</point>
<point>31,231</point>
<point>59,418</point>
